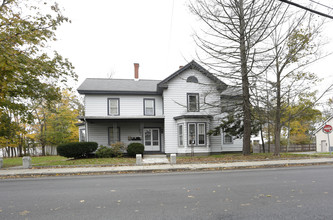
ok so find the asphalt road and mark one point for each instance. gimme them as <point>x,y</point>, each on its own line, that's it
<point>281,193</point>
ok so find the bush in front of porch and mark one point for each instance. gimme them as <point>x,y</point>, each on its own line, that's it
<point>134,149</point>
<point>116,150</point>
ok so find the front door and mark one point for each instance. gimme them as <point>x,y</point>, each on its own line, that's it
<point>152,139</point>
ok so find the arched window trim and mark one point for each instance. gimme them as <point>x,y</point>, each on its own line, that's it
<point>192,79</point>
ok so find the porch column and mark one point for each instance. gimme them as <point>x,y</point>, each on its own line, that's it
<point>115,131</point>
<point>142,125</point>
<point>87,132</point>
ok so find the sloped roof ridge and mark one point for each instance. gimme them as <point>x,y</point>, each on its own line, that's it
<point>191,65</point>
<point>123,79</point>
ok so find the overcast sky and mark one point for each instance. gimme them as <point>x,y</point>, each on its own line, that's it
<point>108,36</point>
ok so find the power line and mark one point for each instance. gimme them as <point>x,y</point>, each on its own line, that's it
<point>321,4</point>
<point>308,9</point>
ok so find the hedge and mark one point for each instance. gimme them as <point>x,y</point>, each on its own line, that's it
<point>77,149</point>
<point>135,148</point>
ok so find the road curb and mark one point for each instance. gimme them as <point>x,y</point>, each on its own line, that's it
<point>26,173</point>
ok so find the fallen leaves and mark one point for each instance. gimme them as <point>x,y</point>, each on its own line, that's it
<point>25,212</point>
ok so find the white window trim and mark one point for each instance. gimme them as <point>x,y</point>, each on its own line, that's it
<point>204,124</point>
<point>188,134</point>
<point>180,138</point>
<point>196,135</point>
<point>118,138</point>
<point>145,107</point>
<point>118,106</point>
<point>224,142</point>
<point>197,102</point>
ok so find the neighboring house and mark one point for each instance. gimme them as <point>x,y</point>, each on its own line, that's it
<point>322,139</point>
<point>169,116</point>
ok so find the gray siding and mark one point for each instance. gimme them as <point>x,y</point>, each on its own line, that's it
<point>98,131</point>
<point>175,104</point>
<point>130,105</point>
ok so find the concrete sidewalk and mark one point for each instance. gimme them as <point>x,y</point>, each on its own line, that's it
<point>8,173</point>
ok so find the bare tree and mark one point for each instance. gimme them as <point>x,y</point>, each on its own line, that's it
<point>232,42</point>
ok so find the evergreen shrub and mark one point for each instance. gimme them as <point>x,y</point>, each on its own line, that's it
<point>77,149</point>
<point>135,148</point>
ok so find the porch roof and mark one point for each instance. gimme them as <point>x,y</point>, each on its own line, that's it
<point>119,117</point>
<point>192,116</point>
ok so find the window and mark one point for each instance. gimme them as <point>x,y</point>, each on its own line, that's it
<point>227,139</point>
<point>192,79</point>
<point>180,135</point>
<point>193,102</point>
<point>113,106</point>
<point>192,134</point>
<point>149,106</point>
<point>196,134</point>
<point>201,133</point>
<point>114,135</point>
<point>82,135</point>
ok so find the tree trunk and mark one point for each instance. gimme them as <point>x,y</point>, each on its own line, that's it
<point>19,150</point>
<point>43,150</point>
<point>42,139</point>
<point>245,85</point>
<point>269,137</point>
<point>262,139</point>
<point>278,114</point>
<point>288,143</point>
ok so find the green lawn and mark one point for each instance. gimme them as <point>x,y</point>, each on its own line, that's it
<point>226,157</point>
<point>63,161</point>
<point>229,157</point>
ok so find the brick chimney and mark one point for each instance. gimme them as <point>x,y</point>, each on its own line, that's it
<point>136,71</point>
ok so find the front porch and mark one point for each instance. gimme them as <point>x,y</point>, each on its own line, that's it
<point>149,132</point>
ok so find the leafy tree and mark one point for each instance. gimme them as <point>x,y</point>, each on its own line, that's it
<point>300,120</point>
<point>27,70</point>
<point>61,126</point>
<point>55,123</point>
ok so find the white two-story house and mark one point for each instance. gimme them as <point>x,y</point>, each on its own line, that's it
<point>169,116</point>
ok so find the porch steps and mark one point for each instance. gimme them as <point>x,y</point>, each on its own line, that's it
<point>155,159</point>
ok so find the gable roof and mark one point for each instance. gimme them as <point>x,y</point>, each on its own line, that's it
<point>193,65</point>
<point>232,92</point>
<point>323,124</point>
<point>118,86</point>
<point>142,86</point>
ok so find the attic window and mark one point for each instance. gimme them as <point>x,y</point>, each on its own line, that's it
<point>192,79</point>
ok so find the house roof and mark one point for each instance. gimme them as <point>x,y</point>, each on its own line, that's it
<point>118,86</point>
<point>193,65</point>
<point>323,124</point>
<point>232,91</point>
<point>142,86</point>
